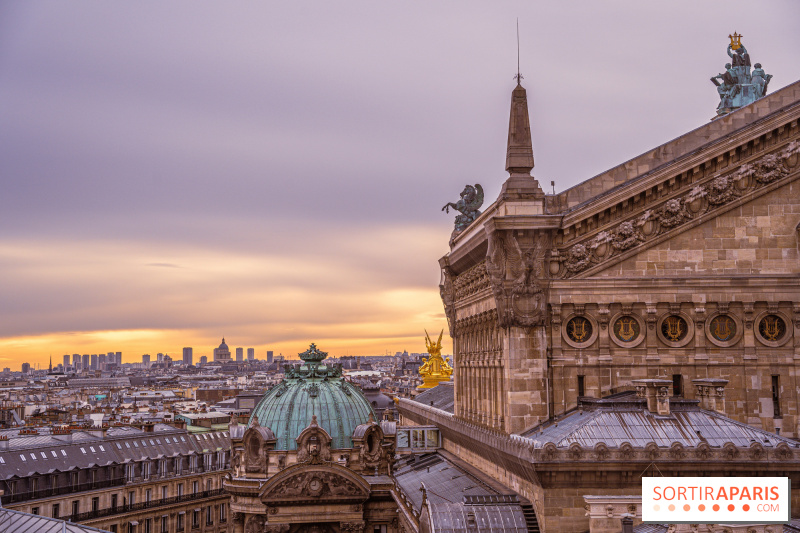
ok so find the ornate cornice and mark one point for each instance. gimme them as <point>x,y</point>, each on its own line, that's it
<point>691,206</point>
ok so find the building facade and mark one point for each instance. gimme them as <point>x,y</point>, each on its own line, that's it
<point>119,479</point>
<point>681,264</point>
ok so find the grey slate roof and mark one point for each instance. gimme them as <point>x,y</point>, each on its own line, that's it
<point>625,418</point>
<point>49,453</point>
<point>19,522</point>
<point>442,396</point>
<point>456,498</point>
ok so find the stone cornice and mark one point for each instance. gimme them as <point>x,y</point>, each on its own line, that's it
<point>784,283</point>
<point>688,163</point>
<point>524,450</point>
<point>693,204</point>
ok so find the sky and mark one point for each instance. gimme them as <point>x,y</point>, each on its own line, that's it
<point>274,172</point>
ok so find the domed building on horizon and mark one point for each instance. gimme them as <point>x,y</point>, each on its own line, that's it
<point>222,353</point>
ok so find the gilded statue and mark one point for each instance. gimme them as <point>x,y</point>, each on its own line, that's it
<point>435,368</point>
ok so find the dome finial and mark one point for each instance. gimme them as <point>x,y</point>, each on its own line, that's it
<point>313,354</point>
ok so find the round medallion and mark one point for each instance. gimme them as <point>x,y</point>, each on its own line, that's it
<point>722,328</point>
<point>674,328</point>
<point>772,328</point>
<point>579,329</point>
<point>626,329</point>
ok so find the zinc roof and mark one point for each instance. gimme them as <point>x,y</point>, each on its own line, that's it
<point>459,502</point>
<point>49,453</point>
<point>614,421</point>
<point>19,522</point>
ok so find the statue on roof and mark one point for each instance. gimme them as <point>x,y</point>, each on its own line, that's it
<point>737,87</point>
<point>435,368</point>
<point>471,200</point>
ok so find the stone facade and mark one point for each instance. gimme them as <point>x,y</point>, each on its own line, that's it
<point>683,263</point>
<point>169,481</point>
<point>315,487</point>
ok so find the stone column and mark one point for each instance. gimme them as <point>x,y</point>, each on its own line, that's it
<point>652,334</point>
<point>525,359</point>
<point>603,335</point>
<point>700,335</point>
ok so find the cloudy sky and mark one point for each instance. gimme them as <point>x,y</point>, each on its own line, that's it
<point>175,172</point>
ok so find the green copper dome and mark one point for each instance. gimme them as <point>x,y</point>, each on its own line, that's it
<point>309,389</point>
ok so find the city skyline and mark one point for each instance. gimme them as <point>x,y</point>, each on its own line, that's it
<point>177,174</point>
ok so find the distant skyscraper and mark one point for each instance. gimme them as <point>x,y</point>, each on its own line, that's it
<point>86,359</point>
<point>26,368</point>
<point>93,362</point>
<point>76,361</point>
<point>251,354</point>
<point>239,354</point>
<point>101,360</point>
<point>118,358</point>
<point>66,361</point>
<point>203,360</point>
<point>146,360</point>
<point>160,358</point>
<point>188,359</point>
<point>269,356</point>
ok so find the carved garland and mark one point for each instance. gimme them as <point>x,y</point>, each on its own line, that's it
<point>699,201</point>
<point>472,281</point>
<point>550,453</point>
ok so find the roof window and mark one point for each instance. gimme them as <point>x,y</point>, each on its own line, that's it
<point>83,450</point>
<point>63,453</point>
<point>44,455</point>
<point>22,456</point>
<point>55,455</point>
<point>92,449</point>
<point>2,461</point>
<point>102,449</point>
<point>33,456</point>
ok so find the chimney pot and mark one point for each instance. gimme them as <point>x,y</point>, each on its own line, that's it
<point>657,392</point>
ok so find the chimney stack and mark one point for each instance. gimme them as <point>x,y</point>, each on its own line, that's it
<point>657,392</point>
<point>711,393</point>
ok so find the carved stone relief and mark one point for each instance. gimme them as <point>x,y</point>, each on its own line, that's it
<point>314,485</point>
<point>515,265</point>
<point>703,198</point>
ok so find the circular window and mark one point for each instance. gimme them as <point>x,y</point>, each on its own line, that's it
<point>772,329</point>
<point>580,331</point>
<point>675,330</point>
<point>627,330</point>
<point>723,330</point>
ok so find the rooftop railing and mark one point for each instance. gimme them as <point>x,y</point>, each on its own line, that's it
<point>119,509</point>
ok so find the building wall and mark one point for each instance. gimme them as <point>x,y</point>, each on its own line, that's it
<point>208,481</point>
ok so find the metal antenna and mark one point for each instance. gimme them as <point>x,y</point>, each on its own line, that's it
<point>518,76</point>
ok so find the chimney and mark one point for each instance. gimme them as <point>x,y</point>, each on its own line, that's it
<point>657,393</point>
<point>3,443</point>
<point>711,393</point>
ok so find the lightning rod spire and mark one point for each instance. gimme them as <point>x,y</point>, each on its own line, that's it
<point>518,76</point>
